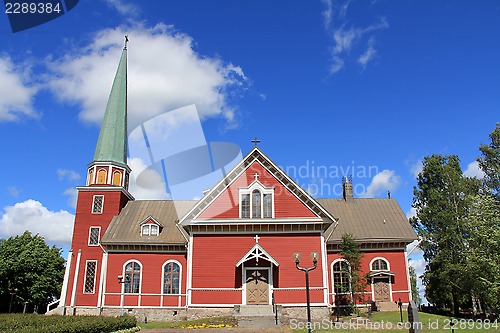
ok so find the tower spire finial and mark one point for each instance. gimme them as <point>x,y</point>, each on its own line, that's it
<point>126,42</point>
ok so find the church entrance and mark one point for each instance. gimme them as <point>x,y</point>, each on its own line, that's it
<point>381,289</point>
<point>257,286</point>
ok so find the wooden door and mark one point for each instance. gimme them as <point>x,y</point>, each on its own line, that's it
<point>381,289</point>
<point>257,286</point>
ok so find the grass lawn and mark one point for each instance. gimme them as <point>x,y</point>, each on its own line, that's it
<point>389,322</point>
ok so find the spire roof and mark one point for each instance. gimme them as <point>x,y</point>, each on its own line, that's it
<point>112,142</point>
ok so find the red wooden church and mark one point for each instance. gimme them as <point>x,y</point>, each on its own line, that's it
<point>233,247</point>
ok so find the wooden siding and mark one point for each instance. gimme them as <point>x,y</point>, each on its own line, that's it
<point>397,265</point>
<point>215,256</point>
<point>286,205</point>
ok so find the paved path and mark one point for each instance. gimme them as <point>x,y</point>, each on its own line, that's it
<point>282,329</point>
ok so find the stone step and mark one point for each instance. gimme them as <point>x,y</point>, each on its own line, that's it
<point>387,306</point>
<point>253,310</point>
<point>256,322</point>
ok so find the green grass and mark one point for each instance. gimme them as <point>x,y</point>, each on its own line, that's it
<point>388,322</point>
<point>185,323</point>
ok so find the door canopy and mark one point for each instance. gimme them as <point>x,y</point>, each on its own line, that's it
<point>257,252</point>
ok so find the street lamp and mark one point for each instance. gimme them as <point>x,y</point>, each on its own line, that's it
<point>13,292</point>
<point>314,258</point>
<point>400,305</point>
<point>121,281</point>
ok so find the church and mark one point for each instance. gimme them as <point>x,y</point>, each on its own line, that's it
<point>236,247</point>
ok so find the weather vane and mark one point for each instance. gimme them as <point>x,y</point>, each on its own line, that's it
<point>126,41</point>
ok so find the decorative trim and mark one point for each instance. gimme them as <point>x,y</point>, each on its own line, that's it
<point>380,270</point>
<point>257,228</point>
<point>107,188</point>
<point>163,280</point>
<point>256,252</point>
<point>134,248</point>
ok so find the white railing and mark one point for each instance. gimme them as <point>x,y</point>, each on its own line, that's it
<point>52,303</point>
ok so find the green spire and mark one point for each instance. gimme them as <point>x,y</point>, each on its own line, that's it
<point>112,143</point>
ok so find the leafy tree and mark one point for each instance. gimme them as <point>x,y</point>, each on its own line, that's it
<point>32,267</point>
<point>442,199</point>
<point>415,295</point>
<point>489,162</point>
<point>350,252</point>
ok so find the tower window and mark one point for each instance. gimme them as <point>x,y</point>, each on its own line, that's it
<point>90,272</point>
<point>91,176</point>
<point>117,178</point>
<point>98,204</point>
<point>94,236</point>
<point>101,176</point>
<point>256,204</point>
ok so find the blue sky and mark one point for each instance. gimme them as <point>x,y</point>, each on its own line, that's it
<point>366,88</point>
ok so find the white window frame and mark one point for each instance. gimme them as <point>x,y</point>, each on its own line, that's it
<point>380,270</point>
<point>149,227</point>
<point>333,278</point>
<point>163,275</point>
<point>85,280</point>
<point>140,277</point>
<point>263,190</point>
<point>93,204</point>
<point>98,235</point>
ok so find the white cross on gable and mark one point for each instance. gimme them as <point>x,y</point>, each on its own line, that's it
<point>256,176</point>
<point>256,239</point>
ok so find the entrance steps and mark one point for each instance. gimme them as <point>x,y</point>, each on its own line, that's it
<point>387,306</point>
<point>255,316</point>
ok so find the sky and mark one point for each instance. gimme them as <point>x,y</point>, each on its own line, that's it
<point>331,88</point>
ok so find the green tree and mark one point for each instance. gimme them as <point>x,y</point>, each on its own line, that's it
<point>32,267</point>
<point>415,295</point>
<point>350,252</point>
<point>489,162</point>
<point>442,199</point>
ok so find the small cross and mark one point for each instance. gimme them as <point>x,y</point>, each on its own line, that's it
<point>256,176</point>
<point>255,142</point>
<point>256,239</point>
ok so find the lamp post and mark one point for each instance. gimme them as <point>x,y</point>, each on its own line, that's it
<point>121,281</point>
<point>13,292</point>
<point>314,258</point>
<point>400,305</point>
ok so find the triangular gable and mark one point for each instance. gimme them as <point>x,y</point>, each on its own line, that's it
<point>223,198</point>
<point>152,219</point>
<point>257,252</point>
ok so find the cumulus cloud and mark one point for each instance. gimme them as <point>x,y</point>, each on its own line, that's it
<point>72,194</point>
<point>13,191</point>
<point>55,227</point>
<point>411,213</point>
<point>164,73</point>
<point>473,170</point>
<point>16,92</point>
<point>348,38</point>
<point>384,181</point>
<point>150,185</point>
<point>69,175</point>
<point>416,168</point>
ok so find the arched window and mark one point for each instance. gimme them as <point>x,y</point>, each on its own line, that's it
<point>117,178</point>
<point>380,265</point>
<point>268,205</point>
<point>171,278</point>
<point>91,176</point>
<point>245,205</point>
<point>341,277</point>
<point>101,176</point>
<point>132,278</point>
<point>256,204</point>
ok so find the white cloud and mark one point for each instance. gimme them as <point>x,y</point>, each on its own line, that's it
<point>473,170</point>
<point>13,191</point>
<point>150,185</point>
<point>164,73</point>
<point>69,175</point>
<point>384,181</point>
<point>124,7</point>
<point>416,168</point>
<point>411,213</point>
<point>349,38</point>
<point>16,92</point>
<point>55,227</point>
<point>72,194</point>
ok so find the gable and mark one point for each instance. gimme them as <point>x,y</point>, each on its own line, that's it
<point>290,202</point>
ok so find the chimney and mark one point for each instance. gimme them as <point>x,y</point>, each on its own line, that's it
<point>347,189</point>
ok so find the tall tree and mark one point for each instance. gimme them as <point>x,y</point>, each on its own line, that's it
<point>441,199</point>
<point>31,268</point>
<point>415,295</point>
<point>351,253</point>
<point>489,162</point>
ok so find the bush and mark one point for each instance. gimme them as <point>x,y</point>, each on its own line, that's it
<point>29,323</point>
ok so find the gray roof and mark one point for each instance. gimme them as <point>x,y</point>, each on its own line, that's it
<point>126,227</point>
<point>374,220</point>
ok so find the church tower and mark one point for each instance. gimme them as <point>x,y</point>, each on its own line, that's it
<point>103,197</point>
